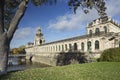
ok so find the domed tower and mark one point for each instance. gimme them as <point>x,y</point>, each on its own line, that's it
<point>39,39</point>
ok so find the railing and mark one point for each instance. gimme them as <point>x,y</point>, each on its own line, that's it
<point>17,55</point>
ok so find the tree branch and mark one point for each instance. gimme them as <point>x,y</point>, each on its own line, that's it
<point>2,2</point>
<point>16,19</point>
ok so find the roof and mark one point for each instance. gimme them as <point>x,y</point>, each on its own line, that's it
<point>81,37</point>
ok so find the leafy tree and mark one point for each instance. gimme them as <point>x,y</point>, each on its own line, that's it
<point>19,50</point>
<point>86,5</point>
<point>11,12</point>
<point>14,51</point>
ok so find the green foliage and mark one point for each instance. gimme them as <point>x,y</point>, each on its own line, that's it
<point>89,71</point>
<point>19,50</point>
<point>111,55</point>
<point>86,5</point>
<point>11,6</point>
<point>40,2</point>
<point>65,58</point>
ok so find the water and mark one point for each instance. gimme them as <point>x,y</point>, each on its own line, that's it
<point>25,65</point>
<point>36,65</point>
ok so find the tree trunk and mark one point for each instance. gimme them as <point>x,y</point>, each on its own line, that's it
<point>4,50</point>
<point>6,36</point>
<point>1,17</point>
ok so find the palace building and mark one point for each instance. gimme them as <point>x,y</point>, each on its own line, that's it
<point>102,33</point>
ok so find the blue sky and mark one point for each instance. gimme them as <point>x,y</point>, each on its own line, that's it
<point>57,21</point>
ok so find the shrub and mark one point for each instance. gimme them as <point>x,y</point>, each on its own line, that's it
<point>111,55</point>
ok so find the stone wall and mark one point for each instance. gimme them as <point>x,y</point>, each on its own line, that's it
<point>59,59</point>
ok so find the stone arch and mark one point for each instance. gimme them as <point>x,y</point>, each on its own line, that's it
<point>56,48</point>
<point>82,46</point>
<point>70,47</point>
<point>59,48</point>
<point>62,47</point>
<point>30,59</point>
<point>75,46</point>
<point>96,44</point>
<point>65,46</point>
<point>40,41</point>
<point>51,48</point>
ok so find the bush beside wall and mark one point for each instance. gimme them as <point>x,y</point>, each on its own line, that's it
<point>111,55</point>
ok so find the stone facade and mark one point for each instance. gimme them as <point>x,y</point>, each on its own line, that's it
<point>101,34</point>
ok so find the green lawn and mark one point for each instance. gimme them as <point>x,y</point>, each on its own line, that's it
<point>88,71</point>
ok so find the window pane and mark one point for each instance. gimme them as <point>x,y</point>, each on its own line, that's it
<point>70,47</point>
<point>105,29</point>
<point>97,31</point>
<point>75,46</point>
<point>96,44</point>
<point>82,46</point>
<point>90,32</point>
<point>89,45</point>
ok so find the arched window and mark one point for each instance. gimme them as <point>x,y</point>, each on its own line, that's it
<point>105,29</point>
<point>51,48</point>
<point>97,31</point>
<point>48,48</point>
<point>65,46</point>
<point>96,44</point>
<point>89,45</point>
<point>56,48</point>
<point>90,32</point>
<point>75,46</point>
<point>40,41</point>
<point>70,47</point>
<point>59,48</point>
<point>82,46</point>
<point>62,47</point>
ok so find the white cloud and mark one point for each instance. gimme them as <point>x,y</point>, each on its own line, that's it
<point>71,21</point>
<point>113,7</point>
<point>22,36</point>
<point>23,33</point>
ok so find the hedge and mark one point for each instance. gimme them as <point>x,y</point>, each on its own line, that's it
<point>111,55</point>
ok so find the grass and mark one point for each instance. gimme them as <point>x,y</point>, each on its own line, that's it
<point>88,71</point>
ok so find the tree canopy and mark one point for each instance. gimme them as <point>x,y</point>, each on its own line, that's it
<point>99,5</point>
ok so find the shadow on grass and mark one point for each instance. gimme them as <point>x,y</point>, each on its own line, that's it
<point>6,76</point>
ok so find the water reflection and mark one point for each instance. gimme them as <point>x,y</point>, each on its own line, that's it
<point>30,64</point>
<point>16,64</point>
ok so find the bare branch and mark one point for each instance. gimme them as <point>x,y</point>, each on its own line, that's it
<point>16,19</point>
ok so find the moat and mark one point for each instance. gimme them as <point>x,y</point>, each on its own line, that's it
<point>25,65</point>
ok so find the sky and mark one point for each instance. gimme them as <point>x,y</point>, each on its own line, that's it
<point>58,21</point>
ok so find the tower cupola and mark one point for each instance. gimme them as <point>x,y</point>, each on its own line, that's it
<point>39,39</point>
